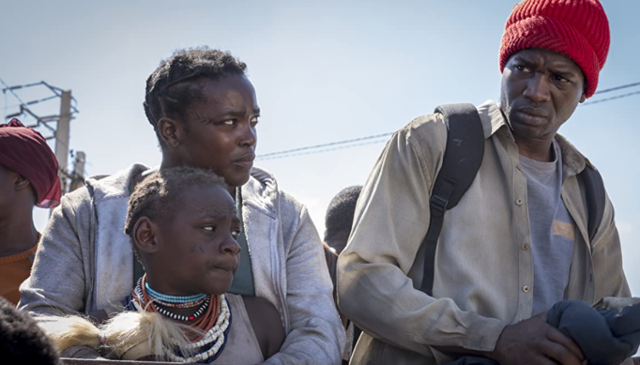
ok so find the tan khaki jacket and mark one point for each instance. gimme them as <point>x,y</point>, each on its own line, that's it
<point>484,267</point>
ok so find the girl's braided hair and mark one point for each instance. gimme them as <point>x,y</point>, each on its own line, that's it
<point>159,193</point>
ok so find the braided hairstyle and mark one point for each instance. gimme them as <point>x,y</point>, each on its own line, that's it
<point>177,82</point>
<point>159,194</point>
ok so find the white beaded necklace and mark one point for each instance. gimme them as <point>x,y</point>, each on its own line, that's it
<point>216,333</point>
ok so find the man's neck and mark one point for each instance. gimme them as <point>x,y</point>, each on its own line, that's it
<point>17,234</point>
<point>535,149</point>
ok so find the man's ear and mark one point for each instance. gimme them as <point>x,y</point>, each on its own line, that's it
<point>21,183</point>
<point>144,235</point>
<point>583,98</point>
<point>171,131</point>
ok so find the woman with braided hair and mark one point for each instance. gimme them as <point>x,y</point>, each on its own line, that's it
<point>204,111</point>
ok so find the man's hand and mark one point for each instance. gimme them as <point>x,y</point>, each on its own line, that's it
<point>534,342</point>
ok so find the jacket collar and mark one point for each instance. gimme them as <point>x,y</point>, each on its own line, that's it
<point>116,185</point>
<point>261,191</point>
<point>493,120</point>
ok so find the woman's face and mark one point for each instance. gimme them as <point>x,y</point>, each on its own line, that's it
<point>220,132</point>
<point>197,248</point>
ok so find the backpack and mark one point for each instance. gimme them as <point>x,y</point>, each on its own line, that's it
<point>462,159</point>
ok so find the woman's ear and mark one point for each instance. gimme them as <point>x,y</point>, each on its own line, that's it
<point>144,235</point>
<point>21,183</point>
<point>171,131</point>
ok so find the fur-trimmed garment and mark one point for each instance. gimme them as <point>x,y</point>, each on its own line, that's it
<point>241,347</point>
<point>134,335</point>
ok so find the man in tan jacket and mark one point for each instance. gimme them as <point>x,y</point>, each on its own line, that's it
<point>517,241</point>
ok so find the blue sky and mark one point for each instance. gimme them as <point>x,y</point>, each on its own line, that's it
<point>323,71</point>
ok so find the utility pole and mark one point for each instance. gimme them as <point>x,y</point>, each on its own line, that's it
<point>62,137</point>
<point>77,177</point>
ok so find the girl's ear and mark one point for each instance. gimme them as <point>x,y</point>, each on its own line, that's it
<point>144,235</point>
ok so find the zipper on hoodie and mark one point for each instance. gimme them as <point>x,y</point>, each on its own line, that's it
<point>276,277</point>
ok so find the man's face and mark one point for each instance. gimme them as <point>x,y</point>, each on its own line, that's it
<point>220,132</point>
<point>540,91</point>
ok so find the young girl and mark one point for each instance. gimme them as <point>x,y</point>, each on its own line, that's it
<point>183,226</point>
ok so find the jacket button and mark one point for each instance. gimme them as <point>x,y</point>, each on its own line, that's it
<point>518,201</point>
<point>525,289</point>
<point>525,246</point>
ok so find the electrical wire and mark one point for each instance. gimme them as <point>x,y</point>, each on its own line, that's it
<point>325,145</point>
<point>617,88</point>
<point>322,150</point>
<point>350,143</point>
<point>611,98</point>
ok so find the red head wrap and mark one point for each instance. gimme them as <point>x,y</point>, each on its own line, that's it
<point>25,152</point>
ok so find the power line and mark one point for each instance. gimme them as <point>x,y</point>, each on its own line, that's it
<point>286,152</point>
<point>611,98</point>
<point>7,87</point>
<point>322,150</point>
<point>617,88</point>
<point>350,143</point>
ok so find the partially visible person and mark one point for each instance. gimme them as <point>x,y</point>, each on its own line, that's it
<point>28,177</point>
<point>204,111</point>
<point>338,221</point>
<point>21,340</point>
<point>183,228</point>
<point>339,218</point>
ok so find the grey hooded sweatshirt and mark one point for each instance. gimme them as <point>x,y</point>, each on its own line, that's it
<point>85,262</point>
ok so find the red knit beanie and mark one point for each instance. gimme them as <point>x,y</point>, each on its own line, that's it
<point>579,29</point>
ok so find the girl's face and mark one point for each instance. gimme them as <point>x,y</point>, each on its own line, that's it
<point>197,249</point>
<point>220,133</point>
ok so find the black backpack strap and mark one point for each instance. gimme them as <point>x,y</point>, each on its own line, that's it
<point>462,159</point>
<point>594,191</point>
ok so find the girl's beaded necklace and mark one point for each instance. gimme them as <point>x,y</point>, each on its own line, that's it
<point>174,299</point>
<point>213,318</point>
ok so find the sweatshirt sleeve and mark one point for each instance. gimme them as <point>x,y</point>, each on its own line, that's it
<point>315,334</point>
<point>57,282</point>
<point>390,222</point>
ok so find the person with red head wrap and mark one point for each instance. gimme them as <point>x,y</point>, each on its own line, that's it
<point>28,177</point>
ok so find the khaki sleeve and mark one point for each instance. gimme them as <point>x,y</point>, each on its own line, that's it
<point>390,222</point>
<point>610,280</point>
